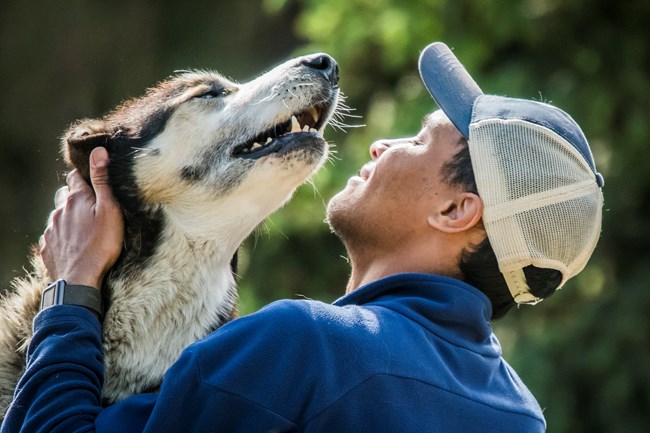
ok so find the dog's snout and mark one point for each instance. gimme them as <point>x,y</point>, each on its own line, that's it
<point>325,64</point>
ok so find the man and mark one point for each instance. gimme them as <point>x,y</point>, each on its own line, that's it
<point>495,202</point>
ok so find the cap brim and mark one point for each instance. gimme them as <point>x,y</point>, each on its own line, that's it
<point>450,85</point>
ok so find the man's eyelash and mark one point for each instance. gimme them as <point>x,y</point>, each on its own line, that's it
<point>418,142</point>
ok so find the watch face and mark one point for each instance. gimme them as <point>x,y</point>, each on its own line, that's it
<point>53,294</point>
<point>48,297</point>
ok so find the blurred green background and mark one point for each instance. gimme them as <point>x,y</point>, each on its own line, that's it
<point>585,353</point>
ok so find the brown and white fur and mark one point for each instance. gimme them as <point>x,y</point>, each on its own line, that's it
<point>194,173</point>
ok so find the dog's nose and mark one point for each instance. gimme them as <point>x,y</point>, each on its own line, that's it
<point>325,64</point>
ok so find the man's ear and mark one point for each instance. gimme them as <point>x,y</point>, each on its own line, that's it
<point>459,214</point>
<point>80,139</point>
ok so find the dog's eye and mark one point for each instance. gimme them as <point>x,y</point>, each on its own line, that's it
<point>212,93</point>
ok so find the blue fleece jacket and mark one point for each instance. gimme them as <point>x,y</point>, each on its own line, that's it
<point>408,353</point>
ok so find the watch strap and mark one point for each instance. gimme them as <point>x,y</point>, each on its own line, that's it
<point>62,293</point>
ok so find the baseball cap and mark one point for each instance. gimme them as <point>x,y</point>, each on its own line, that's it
<point>534,172</point>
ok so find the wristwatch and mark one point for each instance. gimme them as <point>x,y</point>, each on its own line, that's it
<point>60,293</point>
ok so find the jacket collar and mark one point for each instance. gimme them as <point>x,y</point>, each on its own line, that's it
<point>451,309</point>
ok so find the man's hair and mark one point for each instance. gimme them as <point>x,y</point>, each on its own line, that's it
<point>479,263</point>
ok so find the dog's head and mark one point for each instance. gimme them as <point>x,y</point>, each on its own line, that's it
<point>204,149</point>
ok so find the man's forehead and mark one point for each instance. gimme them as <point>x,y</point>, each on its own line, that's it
<point>438,120</point>
<point>434,118</point>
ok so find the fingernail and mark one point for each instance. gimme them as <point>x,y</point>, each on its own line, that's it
<point>99,157</point>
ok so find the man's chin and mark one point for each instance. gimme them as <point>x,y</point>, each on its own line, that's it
<point>337,213</point>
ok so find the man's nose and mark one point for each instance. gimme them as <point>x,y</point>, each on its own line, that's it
<point>377,148</point>
<point>380,146</point>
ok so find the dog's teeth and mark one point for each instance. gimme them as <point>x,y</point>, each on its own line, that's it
<point>256,146</point>
<point>295,126</point>
<point>321,130</point>
<point>315,131</point>
<point>268,140</point>
<point>314,113</point>
<point>305,128</point>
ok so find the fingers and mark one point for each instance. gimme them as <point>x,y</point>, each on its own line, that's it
<point>61,196</point>
<point>41,244</point>
<point>99,177</point>
<point>75,182</point>
<point>85,234</point>
<point>99,167</point>
<point>98,174</point>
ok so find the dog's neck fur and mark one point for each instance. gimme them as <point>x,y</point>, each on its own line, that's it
<point>166,318</point>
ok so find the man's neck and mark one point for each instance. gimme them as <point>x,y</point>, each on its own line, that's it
<point>369,268</point>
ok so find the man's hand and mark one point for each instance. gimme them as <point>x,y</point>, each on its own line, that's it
<point>85,235</point>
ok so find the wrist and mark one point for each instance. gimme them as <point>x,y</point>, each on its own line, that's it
<point>90,282</point>
<point>80,279</point>
<point>61,292</point>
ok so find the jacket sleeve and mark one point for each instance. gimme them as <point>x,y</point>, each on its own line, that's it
<point>60,390</point>
<point>61,387</point>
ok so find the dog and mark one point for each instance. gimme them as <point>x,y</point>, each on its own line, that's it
<point>196,164</point>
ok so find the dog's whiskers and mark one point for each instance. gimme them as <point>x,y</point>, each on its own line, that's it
<point>315,190</point>
<point>274,94</point>
<point>341,112</point>
<point>332,157</point>
<point>139,152</point>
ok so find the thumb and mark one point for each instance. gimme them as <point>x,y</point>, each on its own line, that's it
<point>99,175</point>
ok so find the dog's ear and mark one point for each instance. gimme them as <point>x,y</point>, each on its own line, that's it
<point>81,138</point>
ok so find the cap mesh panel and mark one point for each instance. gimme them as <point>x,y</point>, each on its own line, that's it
<point>542,203</point>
